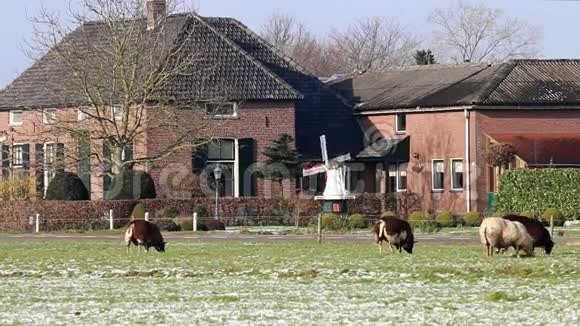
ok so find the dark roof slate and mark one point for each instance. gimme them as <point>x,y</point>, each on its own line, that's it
<point>518,82</point>
<point>229,69</point>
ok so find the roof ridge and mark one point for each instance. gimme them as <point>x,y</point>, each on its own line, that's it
<point>249,57</point>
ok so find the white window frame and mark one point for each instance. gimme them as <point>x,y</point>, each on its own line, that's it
<point>46,113</point>
<point>397,129</point>
<point>452,172</point>
<point>399,189</point>
<point>222,116</point>
<point>11,121</point>
<point>236,165</point>
<point>12,155</point>
<point>45,162</point>
<point>433,176</point>
<point>117,113</point>
<point>81,114</point>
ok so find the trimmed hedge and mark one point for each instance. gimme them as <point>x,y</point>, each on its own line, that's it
<point>357,221</point>
<point>539,190</point>
<point>558,217</point>
<point>131,184</point>
<point>67,186</point>
<point>445,219</point>
<point>472,219</point>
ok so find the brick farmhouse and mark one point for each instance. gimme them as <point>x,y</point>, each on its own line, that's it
<point>428,127</point>
<point>417,131</point>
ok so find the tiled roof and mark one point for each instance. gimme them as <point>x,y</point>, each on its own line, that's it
<point>544,149</point>
<point>539,82</point>
<point>519,82</point>
<point>228,68</point>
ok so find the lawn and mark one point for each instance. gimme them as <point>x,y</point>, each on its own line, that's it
<point>97,283</point>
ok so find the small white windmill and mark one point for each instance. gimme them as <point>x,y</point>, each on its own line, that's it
<point>335,175</point>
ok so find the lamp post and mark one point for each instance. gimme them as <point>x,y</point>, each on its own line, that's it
<point>217,173</point>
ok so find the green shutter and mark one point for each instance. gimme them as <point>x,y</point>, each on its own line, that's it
<point>84,165</point>
<point>107,167</point>
<point>5,161</point>
<point>60,158</point>
<point>199,159</point>
<point>247,182</point>
<point>39,155</point>
<point>26,157</point>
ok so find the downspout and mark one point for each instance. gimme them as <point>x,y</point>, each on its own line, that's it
<point>467,160</point>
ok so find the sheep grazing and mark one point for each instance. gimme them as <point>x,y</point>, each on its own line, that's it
<point>499,233</point>
<point>396,232</point>
<point>536,229</point>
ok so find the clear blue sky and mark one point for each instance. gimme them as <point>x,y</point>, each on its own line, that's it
<point>559,20</point>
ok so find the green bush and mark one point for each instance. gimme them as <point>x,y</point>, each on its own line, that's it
<point>472,219</point>
<point>168,225</point>
<point>170,212</point>
<point>527,213</point>
<point>389,213</point>
<point>540,189</point>
<point>558,217</point>
<point>138,212</point>
<point>416,219</point>
<point>184,222</point>
<point>445,219</point>
<point>131,184</point>
<point>331,221</point>
<point>67,186</point>
<point>357,221</point>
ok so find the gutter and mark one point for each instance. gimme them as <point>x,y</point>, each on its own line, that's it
<point>415,110</point>
<point>467,159</point>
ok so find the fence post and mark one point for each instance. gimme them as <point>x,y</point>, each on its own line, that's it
<point>552,225</point>
<point>194,221</point>
<point>319,229</point>
<point>111,225</point>
<point>37,229</point>
<point>146,216</point>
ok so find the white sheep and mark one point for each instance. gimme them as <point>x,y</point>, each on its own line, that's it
<point>498,233</point>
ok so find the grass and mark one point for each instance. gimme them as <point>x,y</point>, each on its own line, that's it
<point>96,282</point>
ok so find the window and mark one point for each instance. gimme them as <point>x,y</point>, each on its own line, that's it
<point>438,175</point>
<point>401,122</point>
<point>17,156</point>
<point>49,116</point>
<point>457,174</point>
<point>49,163</point>
<point>402,177</point>
<point>15,118</point>
<point>222,153</point>
<point>117,113</point>
<point>82,115</point>
<point>221,110</point>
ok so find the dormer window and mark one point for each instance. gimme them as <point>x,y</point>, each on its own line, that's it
<point>401,123</point>
<point>49,116</point>
<point>221,110</point>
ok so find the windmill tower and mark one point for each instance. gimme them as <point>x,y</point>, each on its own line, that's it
<point>335,192</point>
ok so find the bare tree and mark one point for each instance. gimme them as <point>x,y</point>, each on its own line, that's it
<point>472,32</point>
<point>296,41</point>
<point>372,44</point>
<point>116,81</point>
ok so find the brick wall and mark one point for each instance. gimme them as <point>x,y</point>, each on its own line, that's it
<point>261,121</point>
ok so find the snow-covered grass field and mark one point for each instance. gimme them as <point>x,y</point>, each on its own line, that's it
<point>97,283</point>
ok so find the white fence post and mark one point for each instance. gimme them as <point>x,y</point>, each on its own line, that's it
<point>37,223</point>
<point>111,225</point>
<point>194,221</point>
<point>146,216</point>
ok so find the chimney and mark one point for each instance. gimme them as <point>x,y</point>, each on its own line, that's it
<point>156,10</point>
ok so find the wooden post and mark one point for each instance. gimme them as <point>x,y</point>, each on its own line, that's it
<point>194,221</point>
<point>111,225</point>
<point>319,229</point>
<point>37,229</point>
<point>552,226</point>
<point>146,216</point>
